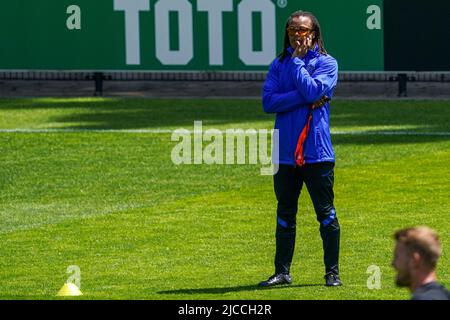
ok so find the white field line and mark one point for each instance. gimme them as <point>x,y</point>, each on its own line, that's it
<point>390,133</point>
<point>21,130</point>
<point>167,131</point>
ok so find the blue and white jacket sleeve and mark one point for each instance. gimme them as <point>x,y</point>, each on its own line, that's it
<point>275,101</point>
<point>324,78</point>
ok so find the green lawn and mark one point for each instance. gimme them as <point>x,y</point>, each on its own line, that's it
<point>141,227</point>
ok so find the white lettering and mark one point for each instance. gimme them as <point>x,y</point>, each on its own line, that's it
<point>215,27</point>
<point>75,276</point>
<point>189,310</point>
<point>74,21</point>
<point>198,142</point>
<point>246,52</point>
<point>213,152</point>
<point>181,153</point>
<point>374,21</point>
<point>264,155</point>
<point>374,281</point>
<point>240,136</point>
<point>215,147</point>
<point>132,36</point>
<point>185,52</point>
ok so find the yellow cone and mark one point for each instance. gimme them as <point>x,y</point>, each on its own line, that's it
<point>69,290</point>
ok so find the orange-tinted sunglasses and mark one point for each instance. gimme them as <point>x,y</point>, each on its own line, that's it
<point>301,31</point>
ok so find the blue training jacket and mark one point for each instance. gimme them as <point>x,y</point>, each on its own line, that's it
<point>291,87</point>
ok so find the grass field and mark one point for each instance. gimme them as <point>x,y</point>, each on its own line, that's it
<point>141,227</point>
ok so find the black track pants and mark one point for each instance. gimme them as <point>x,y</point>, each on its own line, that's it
<point>288,182</point>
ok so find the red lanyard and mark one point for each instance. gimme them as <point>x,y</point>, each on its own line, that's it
<point>299,157</point>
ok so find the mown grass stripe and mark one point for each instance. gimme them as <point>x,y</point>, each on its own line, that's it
<point>166,131</point>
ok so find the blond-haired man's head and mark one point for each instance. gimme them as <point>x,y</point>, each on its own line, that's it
<point>416,254</point>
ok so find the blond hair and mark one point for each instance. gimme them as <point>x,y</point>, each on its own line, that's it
<point>423,240</point>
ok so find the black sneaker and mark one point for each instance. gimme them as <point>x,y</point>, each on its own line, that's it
<point>277,279</point>
<point>332,280</point>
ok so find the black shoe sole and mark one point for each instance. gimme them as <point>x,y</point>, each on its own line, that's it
<point>333,285</point>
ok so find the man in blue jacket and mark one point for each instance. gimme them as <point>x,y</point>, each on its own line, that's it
<point>299,84</point>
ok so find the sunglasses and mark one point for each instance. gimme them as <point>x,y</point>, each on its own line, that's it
<point>301,31</point>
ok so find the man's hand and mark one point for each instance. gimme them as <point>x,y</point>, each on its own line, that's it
<point>321,102</point>
<point>303,45</point>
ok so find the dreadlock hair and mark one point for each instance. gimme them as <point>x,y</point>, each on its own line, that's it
<point>317,33</point>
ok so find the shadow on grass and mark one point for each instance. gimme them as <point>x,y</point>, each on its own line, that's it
<point>115,113</point>
<point>222,290</point>
<point>142,113</point>
<point>396,137</point>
